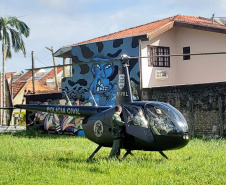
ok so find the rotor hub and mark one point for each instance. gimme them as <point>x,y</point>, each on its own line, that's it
<point>124,58</point>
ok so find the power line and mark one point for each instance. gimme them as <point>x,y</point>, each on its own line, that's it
<point>40,61</point>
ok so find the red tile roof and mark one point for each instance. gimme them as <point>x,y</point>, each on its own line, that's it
<point>50,75</point>
<point>154,26</point>
<point>8,75</point>
<point>21,82</point>
<point>25,81</point>
<point>39,88</point>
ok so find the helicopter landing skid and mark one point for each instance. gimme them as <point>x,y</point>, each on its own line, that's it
<point>95,151</point>
<point>164,155</point>
<point>127,153</point>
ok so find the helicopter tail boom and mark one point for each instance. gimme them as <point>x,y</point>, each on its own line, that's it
<point>78,111</point>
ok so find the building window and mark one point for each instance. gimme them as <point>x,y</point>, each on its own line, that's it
<point>158,61</point>
<point>185,51</point>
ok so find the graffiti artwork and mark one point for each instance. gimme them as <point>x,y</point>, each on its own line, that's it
<point>97,82</point>
<point>50,122</point>
<point>101,87</point>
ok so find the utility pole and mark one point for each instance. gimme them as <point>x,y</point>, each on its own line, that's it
<point>64,67</point>
<point>55,68</point>
<point>33,73</point>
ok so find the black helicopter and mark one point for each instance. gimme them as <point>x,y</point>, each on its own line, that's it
<point>163,127</point>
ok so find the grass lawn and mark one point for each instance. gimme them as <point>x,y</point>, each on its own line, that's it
<point>34,158</point>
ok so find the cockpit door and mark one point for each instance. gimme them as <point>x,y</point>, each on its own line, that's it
<point>136,124</point>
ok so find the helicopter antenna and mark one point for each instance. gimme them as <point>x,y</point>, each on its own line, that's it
<point>93,98</point>
<point>69,101</point>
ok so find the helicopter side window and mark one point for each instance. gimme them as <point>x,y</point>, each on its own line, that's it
<point>158,121</point>
<point>135,116</point>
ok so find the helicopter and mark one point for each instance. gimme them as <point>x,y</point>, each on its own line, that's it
<point>163,126</point>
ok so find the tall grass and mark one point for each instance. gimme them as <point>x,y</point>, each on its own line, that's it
<point>34,158</point>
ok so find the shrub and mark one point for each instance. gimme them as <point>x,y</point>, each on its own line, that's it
<point>22,118</point>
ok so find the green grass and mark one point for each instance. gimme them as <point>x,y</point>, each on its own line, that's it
<point>34,158</point>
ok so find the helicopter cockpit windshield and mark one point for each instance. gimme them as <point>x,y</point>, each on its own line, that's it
<point>155,118</point>
<point>165,119</point>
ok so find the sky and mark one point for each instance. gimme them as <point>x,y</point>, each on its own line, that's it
<point>60,23</point>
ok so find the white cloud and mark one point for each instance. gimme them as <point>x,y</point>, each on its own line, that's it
<point>53,3</point>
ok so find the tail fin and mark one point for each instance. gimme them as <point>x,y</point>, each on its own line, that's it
<point>124,92</point>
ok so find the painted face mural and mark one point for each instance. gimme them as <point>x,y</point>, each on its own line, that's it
<point>101,87</point>
<point>92,83</point>
<point>101,83</point>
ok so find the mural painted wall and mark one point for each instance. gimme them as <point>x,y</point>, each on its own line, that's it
<point>101,78</point>
<point>49,122</point>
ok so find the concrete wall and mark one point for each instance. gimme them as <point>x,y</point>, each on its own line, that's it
<point>203,106</point>
<point>197,70</point>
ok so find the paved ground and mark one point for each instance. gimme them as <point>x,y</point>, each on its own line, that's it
<point>12,128</point>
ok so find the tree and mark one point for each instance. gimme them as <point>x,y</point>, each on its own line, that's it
<point>11,32</point>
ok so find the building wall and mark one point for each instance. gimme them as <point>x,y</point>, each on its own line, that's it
<point>203,106</point>
<point>100,78</point>
<point>19,98</point>
<point>197,70</point>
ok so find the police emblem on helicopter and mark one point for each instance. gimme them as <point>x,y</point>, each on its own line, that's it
<point>121,82</point>
<point>98,128</point>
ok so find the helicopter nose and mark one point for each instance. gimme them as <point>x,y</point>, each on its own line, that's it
<point>186,136</point>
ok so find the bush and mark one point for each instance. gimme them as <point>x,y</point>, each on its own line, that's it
<point>22,118</point>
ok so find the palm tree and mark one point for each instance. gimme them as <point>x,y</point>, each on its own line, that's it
<point>11,32</point>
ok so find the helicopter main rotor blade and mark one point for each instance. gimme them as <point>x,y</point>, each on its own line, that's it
<point>116,60</point>
<point>176,55</point>
<point>77,63</point>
